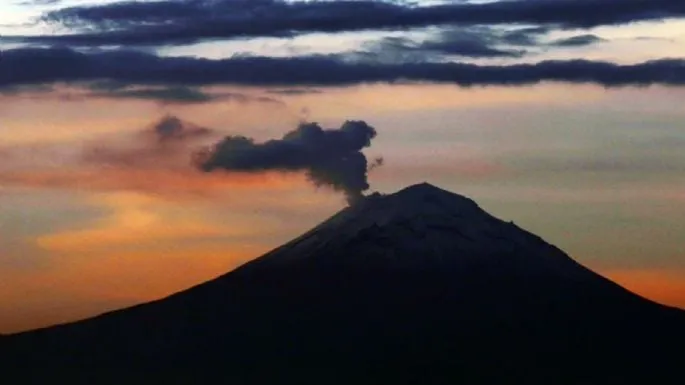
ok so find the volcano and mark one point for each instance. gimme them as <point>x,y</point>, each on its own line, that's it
<point>417,287</point>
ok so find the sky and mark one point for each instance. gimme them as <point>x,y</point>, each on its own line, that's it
<point>148,146</point>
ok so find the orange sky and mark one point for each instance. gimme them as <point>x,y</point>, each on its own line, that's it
<point>663,286</point>
<point>81,235</point>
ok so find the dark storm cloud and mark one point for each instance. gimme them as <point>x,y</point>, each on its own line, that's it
<point>474,42</point>
<point>330,157</point>
<point>295,91</point>
<point>163,95</point>
<point>178,95</point>
<point>478,42</point>
<point>22,67</point>
<point>577,41</point>
<point>528,36</point>
<point>186,21</point>
<point>25,89</point>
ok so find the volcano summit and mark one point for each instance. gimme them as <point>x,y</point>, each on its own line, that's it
<point>417,287</point>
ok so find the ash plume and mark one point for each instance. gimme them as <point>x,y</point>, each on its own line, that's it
<point>330,157</point>
<point>166,142</point>
<point>171,128</point>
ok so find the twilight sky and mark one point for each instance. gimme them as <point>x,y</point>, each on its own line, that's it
<point>132,154</point>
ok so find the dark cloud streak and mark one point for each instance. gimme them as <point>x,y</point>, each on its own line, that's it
<point>184,22</point>
<point>577,41</point>
<point>180,95</point>
<point>473,42</point>
<point>164,95</point>
<point>25,67</point>
<point>161,94</point>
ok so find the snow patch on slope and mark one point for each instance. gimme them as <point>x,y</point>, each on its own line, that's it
<point>423,226</point>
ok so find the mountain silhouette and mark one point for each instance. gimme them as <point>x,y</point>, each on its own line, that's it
<point>417,287</point>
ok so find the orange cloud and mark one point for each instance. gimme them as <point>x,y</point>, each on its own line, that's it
<point>179,183</point>
<point>138,221</point>
<point>134,233</point>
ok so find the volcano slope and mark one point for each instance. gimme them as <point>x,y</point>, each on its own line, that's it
<point>417,287</point>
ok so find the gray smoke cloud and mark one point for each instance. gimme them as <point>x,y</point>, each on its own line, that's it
<point>330,157</point>
<point>165,143</point>
<point>171,128</point>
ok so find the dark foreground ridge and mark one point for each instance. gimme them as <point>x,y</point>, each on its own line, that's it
<point>417,287</point>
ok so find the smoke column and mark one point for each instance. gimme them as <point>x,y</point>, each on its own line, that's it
<point>329,157</point>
